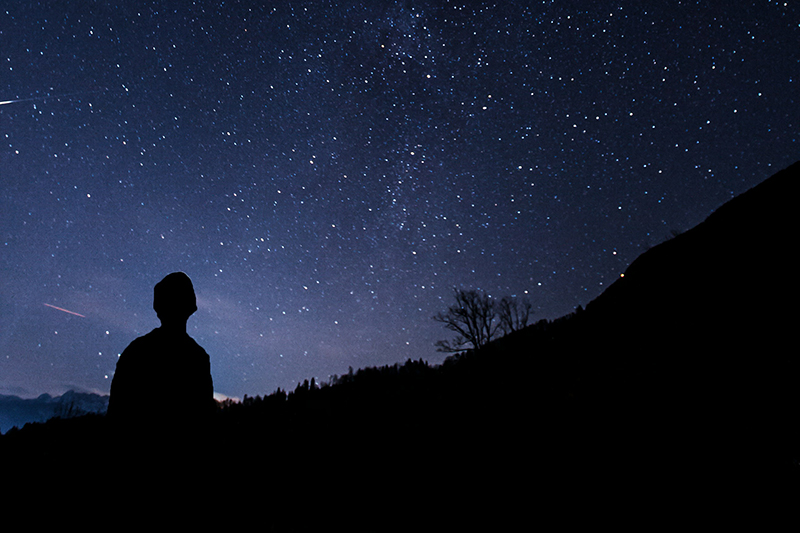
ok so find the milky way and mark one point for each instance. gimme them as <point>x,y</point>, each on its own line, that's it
<point>327,174</point>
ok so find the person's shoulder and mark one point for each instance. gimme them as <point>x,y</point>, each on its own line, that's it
<point>153,336</point>
<point>194,345</point>
<point>141,342</point>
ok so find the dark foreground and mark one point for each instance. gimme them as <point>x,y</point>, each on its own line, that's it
<point>672,398</point>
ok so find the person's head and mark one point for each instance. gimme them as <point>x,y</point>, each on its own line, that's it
<point>173,298</point>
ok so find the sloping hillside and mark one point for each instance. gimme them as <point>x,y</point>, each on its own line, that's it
<point>685,367</point>
<point>676,388</point>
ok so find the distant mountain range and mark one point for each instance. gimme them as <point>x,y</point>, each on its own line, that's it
<point>16,411</point>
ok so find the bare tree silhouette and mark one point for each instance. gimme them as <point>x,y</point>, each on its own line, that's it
<point>473,317</point>
<point>513,313</point>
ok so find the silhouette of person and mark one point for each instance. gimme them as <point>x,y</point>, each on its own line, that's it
<point>163,379</point>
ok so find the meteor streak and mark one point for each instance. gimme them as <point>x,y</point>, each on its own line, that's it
<point>51,97</point>
<point>66,310</point>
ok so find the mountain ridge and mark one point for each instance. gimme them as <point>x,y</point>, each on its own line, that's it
<point>16,411</point>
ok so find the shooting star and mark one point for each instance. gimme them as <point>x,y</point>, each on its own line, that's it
<point>66,310</point>
<point>52,97</point>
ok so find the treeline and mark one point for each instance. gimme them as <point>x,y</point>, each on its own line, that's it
<point>409,444</point>
<point>409,417</point>
<point>508,375</point>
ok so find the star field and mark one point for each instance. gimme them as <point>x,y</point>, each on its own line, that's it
<point>327,174</point>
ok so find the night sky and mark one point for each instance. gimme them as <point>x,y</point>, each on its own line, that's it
<point>327,174</point>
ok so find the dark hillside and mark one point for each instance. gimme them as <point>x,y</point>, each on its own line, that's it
<point>701,327</point>
<point>676,388</point>
<point>684,369</point>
